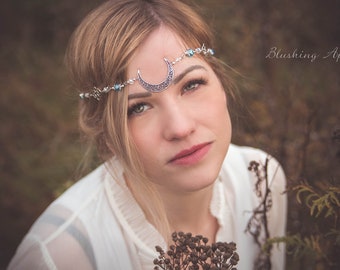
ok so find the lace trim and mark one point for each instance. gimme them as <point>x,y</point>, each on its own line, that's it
<point>129,213</point>
<point>132,218</point>
<point>218,203</point>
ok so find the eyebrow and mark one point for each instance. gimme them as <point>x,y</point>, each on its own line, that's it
<point>186,71</point>
<point>139,95</point>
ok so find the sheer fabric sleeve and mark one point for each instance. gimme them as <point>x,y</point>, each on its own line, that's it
<point>277,213</point>
<point>56,241</point>
<point>79,230</point>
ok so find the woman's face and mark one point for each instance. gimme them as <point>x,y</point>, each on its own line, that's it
<point>182,133</point>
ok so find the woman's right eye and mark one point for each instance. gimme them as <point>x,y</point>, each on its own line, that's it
<point>194,85</point>
<point>137,108</point>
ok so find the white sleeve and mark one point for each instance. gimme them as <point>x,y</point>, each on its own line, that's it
<point>54,243</point>
<point>278,213</point>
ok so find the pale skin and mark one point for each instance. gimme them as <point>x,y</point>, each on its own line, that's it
<point>182,133</point>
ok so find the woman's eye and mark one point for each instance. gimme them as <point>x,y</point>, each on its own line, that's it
<point>193,85</point>
<point>137,108</point>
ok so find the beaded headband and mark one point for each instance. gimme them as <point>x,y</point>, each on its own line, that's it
<point>153,88</point>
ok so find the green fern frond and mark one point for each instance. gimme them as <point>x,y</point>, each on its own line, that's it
<point>296,245</point>
<point>328,202</point>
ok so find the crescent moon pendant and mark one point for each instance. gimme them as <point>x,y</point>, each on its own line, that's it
<point>155,88</point>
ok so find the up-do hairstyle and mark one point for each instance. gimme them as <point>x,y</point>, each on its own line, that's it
<point>99,53</point>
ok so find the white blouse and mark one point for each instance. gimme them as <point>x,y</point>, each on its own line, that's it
<point>97,224</point>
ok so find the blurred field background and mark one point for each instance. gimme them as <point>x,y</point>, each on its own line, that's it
<point>290,107</point>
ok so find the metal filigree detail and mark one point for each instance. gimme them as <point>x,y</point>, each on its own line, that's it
<point>96,92</point>
<point>156,88</point>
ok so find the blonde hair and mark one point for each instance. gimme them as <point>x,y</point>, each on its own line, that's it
<point>98,55</point>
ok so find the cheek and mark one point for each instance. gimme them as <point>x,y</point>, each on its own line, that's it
<point>218,114</point>
<point>144,139</point>
<point>216,109</point>
<point>139,136</point>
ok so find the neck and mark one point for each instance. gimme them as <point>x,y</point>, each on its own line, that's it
<point>190,211</point>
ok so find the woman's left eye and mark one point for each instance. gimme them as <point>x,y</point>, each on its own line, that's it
<point>193,85</point>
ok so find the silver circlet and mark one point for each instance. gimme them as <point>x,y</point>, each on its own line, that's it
<point>156,88</point>
<point>96,92</point>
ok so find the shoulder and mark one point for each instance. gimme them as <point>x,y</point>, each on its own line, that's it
<point>239,158</point>
<point>86,190</point>
<point>86,184</point>
<point>244,153</point>
<point>71,221</point>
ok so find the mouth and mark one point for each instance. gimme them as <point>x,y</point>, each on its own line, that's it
<point>192,155</point>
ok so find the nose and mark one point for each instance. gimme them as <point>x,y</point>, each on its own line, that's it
<point>177,120</point>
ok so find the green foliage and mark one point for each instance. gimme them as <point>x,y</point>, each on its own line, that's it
<point>327,203</point>
<point>321,245</point>
<point>298,246</point>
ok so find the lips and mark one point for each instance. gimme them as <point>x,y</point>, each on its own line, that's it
<point>192,155</point>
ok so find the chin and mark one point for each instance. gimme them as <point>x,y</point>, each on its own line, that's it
<point>200,178</point>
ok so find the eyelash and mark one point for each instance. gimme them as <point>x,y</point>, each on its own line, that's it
<point>196,83</point>
<point>132,109</point>
<point>192,85</point>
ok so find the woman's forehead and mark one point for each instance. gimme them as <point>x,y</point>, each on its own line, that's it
<point>161,43</point>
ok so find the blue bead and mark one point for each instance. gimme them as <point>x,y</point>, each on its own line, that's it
<point>211,51</point>
<point>190,52</point>
<point>117,87</point>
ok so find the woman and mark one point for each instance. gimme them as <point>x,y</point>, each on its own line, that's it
<point>154,102</point>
